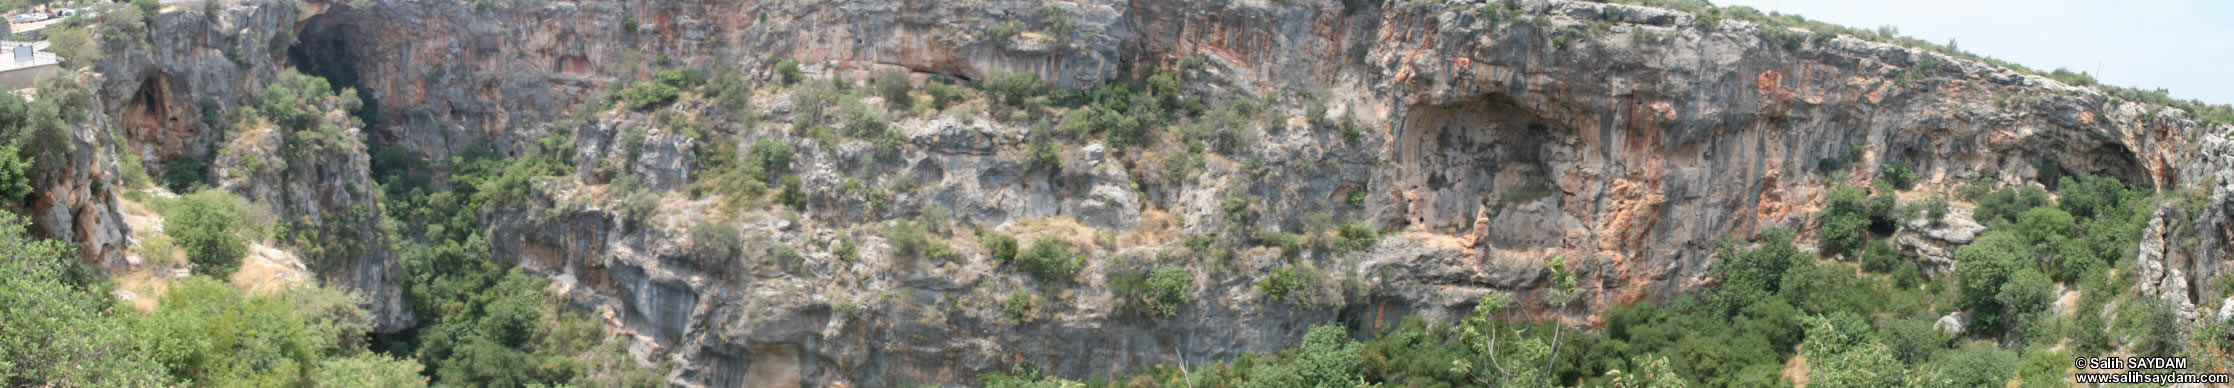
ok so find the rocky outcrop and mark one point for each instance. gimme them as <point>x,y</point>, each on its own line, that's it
<point>1625,140</point>
<point>1934,242</point>
<point>319,188</point>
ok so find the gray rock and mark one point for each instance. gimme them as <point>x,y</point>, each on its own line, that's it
<point>1954,323</point>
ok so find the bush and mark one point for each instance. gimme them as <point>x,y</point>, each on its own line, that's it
<point>788,71</point>
<point>773,157</point>
<point>1161,291</point>
<point>2005,205</point>
<point>908,239</point>
<point>681,78</point>
<point>1845,218</point>
<point>1981,268</point>
<point>15,178</point>
<point>645,96</point>
<point>208,225</point>
<point>942,95</point>
<point>1000,246</point>
<point>1014,88</point>
<point>1042,155</point>
<point>892,84</point>
<point>1357,236</point>
<point>1978,367</point>
<point>59,331</point>
<point>1050,261</point>
<point>1899,175</point>
<point>715,239</point>
<point>1290,244</point>
<point>1910,341</point>
<point>862,122</point>
<point>1018,307</point>
<point>1286,281</point>
<point>1880,257</point>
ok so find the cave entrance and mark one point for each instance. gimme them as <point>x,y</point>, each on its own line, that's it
<point>150,117</point>
<point>326,46</point>
<point>1485,158</point>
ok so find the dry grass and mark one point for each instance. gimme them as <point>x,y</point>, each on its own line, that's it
<point>267,270</point>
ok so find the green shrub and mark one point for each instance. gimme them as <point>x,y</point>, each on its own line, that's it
<point>1287,281</point>
<point>942,95</point>
<point>1290,244</point>
<point>1014,88</point>
<point>716,239</point>
<point>846,251</point>
<point>1357,236</point>
<point>788,71</point>
<point>15,178</point>
<point>1978,367</point>
<point>1880,257</point>
<point>1050,261</point>
<point>208,226</point>
<point>645,96</point>
<point>892,84</point>
<point>862,122</point>
<point>628,25</point>
<point>2005,205</point>
<point>1750,274</point>
<point>681,78</point>
<point>1161,291</point>
<point>1981,268</point>
<point>1843,221</point>
<point>1042,155</point>
<point>61,330</point>
<point>1018,307</point>
<point>907,238</point>
<point>1000,246</point>
<point>792,195</point>
<point>773,157</point>
<point>1899,175</point>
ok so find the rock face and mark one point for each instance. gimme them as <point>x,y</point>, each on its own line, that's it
<point>322,192</point>
<point>1490,145</point>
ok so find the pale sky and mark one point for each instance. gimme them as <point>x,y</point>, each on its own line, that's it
<point>2186,46</point>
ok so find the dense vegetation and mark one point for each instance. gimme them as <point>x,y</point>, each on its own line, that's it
<point>1772,302</point>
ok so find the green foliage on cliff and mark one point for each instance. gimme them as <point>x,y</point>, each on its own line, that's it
<point>15,178</point>
<point>1844,220</point>
<point>61,325</point>
<point>1160,291</point>
<point>207,224</point>
<point>645,96</point>
<point>1050,261</point>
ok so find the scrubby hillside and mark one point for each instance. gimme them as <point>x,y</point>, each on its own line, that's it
<point>1138,193</point>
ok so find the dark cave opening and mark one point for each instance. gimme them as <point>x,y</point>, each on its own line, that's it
<point>326,47</point>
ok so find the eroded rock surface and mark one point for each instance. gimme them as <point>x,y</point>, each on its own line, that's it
<point>1489,146</point>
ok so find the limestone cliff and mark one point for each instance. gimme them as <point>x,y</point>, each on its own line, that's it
<point>1627,140</point>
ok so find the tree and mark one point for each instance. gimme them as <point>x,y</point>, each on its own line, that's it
<point>2026,293</point>
<point>207,224</point>
<point>1326,358</point>
<point>892,84</point>
<point>788,71</point>
<point>1752,273</point>
<point>56,330</point>
<point>1049,260</point>
<point>1981,268</point>
<point>1880,257</point>
<point>1978,367</point>
<point>368,370</point>
<point>1838,360</point>
<point>1844,219</point>
<point>15,177</point>
<point>148,7</point>
<point>75,46</point>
